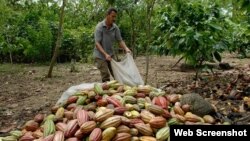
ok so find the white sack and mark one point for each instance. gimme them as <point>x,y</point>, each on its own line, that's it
<point>126,72</point>
<point>72,90</point>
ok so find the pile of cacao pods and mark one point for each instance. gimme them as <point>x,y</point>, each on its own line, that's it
<point>110,112</point>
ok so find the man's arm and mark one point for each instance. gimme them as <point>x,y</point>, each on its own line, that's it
<point>98,38</point>
<point>121,42</point>
<point>124,46</point>
<point>99,47</point>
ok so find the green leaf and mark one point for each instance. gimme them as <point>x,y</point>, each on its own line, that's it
<point>181,40</point>
<point>197,36</point>
<point>215,26</point>
<point>217,56</point>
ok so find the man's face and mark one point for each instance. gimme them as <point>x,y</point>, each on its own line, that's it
<point>111,17</point>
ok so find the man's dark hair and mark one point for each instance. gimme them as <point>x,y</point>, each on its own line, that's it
<point>110,10</point>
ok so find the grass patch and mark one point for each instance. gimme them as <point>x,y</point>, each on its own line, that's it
<point>11,68</point>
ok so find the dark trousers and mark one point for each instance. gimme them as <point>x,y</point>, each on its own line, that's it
<point>104,68</point>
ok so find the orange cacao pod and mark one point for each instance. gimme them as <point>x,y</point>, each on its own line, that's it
<point>115,102</point>
<point>27,137</point>
<point>39,118</point>
<point>147,138</point>
<point>122,137</point>
<point>157,122</point>
<point>79,134</point>
<point>72,127</point>
<point>49,137</point>
<point>104,114</point>
<point>60,126</point>
<point>95,135</point>
<point>82,116</point>
<point>144,129</point>
<point>161,101</point>
<point>123,129</point>
<point>88,126</point>
<point>178,110</point>
<point>146,116</point>
<point>71,106</point>
<point>75,111</point>
<point>120,110</point>
<point>68,114</point>
<point>72,139</point>
<point>59,136</point>
<point>31,125</point>
<point>135,121</point>
<point>114,121</point>
<point>155,109</point>
<point>72,99</point>
<point>166,114</point>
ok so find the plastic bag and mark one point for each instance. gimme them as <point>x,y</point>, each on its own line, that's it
<point>72,90</point>
<point>126,72</point>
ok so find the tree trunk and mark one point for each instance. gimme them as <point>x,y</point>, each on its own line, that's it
<point>58,41</point>
<point>11,60</point>
<point>150,7</point>
<point>10,50</point>
<point>132,36</point>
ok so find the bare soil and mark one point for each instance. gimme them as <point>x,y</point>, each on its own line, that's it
<point>25,91</point>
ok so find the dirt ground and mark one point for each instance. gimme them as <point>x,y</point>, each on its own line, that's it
<point>25,92</point>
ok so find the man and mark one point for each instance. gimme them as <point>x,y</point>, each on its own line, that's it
<point>106,33</point>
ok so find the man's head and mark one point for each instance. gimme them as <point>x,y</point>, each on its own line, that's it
<point>111,16</point>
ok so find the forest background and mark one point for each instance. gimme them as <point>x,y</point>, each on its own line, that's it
<point>197,30</point>
<point>193,31</point>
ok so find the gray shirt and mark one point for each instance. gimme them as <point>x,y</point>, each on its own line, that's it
<point>106,38</point>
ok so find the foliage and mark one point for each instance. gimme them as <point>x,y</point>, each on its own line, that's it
<point>41,41</point>
<point>27,36</point>
<point>77,44</point>
<point>193,30</point>
<point>9,47</point>
<point>240,40</point>
<point>198,30</point>
<point>240,27</point>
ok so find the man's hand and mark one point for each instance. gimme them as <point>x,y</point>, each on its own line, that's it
<point>123,45</point>
<point>108,57</point>
<point>127,50</point>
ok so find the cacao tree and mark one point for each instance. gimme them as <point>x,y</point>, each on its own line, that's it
<point>59,39</point>
<point>193,30</point>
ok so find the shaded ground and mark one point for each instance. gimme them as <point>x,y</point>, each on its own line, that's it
<point>24,91</point>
